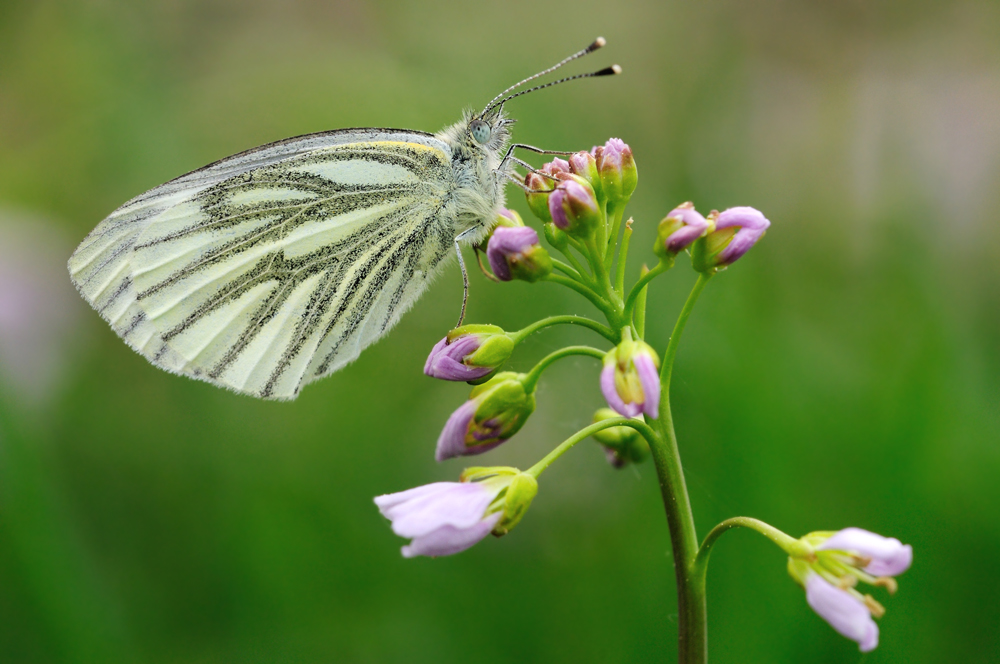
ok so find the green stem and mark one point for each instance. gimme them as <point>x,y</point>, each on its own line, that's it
<point>585,277</point>
<point>567,270</point>
<point>640,307</point>
<point>524,333</point>
<point>788,544</point>
<point>532,378</point>
<point>583,290</point>
<point>622,259</point>
<point>640,285</point>
<point>616,223</point>
<point>561,449</point>
<point>692,641</point>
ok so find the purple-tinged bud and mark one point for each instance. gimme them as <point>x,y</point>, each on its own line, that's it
<point>584,165</point>
<point>573,206</point>
<point>469,353</point>
<point>622,445</point>
<point>731,235</point>
<point>514,253</point>
<point>829,565</point>
<point>630,379</point>
<point>679,230</point>
<point>617,168</point>
<point>540,186</point>
<point>509,218</point>
<point>495,411</point>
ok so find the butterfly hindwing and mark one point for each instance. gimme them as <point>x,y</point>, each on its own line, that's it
<point>275,267</point>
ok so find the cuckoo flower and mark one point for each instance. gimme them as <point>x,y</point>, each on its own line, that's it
<point>732,234</point>
<point>495,411</point>
<point>630,379</point>
<point>573,206</point>
<point>447,517</point>
<point>539,186</point>
<point>830,572</point>
<point>468,353</point>
<point>678,230</point>
<point>515,253</point>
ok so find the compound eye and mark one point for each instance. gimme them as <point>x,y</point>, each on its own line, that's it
<point>480,131</point>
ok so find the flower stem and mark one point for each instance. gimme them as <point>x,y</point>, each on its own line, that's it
<point>788,544</point>
<point>532,378</point>
<point>692,641</point>
<point>640,285</point>
<point>583,290</point>
<point>640,307</point>
<point>567,270</point>
<point>525,332</point>
<point>622,259</point>
<point>561,449</point>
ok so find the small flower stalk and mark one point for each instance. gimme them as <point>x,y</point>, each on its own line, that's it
<point>831,572</point>
<point>470,352</point>
<point>495,411</point>
<point>630,379</point>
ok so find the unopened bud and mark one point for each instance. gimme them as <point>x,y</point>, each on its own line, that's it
<point>573,206</point>
<point>514,253</point>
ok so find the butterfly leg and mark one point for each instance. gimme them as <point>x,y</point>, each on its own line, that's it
<point>465,275</point>
<point>531,148</point>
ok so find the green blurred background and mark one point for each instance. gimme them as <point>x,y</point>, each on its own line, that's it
<point>844,373</point>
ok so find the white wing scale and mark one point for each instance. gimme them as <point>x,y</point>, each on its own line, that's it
<point>277,266</point>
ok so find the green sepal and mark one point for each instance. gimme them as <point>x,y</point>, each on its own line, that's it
<point>516,501</point>
<point>494,351</point>
<point>481,473</point>
<point>474,328</point>
<point>555,236</point>
<point>531,265</point>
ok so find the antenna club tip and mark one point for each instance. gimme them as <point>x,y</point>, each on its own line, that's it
<point>616,69</point>
<point>598,43</point>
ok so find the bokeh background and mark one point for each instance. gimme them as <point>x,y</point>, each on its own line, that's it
<point>843,373</point>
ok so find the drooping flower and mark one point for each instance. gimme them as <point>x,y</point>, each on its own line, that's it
<point>440,518</point>
<point>468,353</point>
<point>447,517</point>
<point>630,379</point>
<point>678,230</point>
<point>495,411</point>
<point>515,253</point>
<point>732,234</point>
<point>831,564</point>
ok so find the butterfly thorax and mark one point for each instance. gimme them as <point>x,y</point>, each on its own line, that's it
<point>478,191</point>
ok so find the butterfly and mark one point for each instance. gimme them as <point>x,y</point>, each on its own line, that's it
<point>277,266</point>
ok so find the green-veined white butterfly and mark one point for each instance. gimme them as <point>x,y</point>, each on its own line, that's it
<point>277,266</point>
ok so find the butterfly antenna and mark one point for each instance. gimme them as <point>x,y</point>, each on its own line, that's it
<point>596,44</point>
<point>607,71</point>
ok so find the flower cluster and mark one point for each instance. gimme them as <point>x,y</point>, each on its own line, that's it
<point>580,202</point>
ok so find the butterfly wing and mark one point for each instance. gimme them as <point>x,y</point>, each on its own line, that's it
<point>275,267</point>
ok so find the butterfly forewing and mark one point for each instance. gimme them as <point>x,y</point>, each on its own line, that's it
<point>275,267</point>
